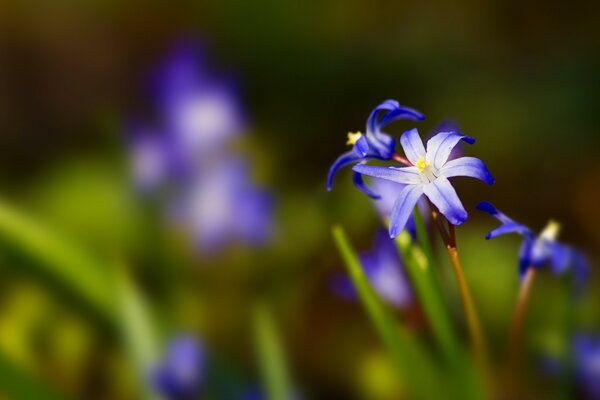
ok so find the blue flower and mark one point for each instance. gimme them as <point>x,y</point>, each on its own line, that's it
<point>198,109</point>
<point>187,152</point>
<point>383,267</point>
<point>179,374</point>
<point>539,251</point>
<point>222,205</point>
<point>373,143</point>
<point>586,354</point>
<point>429,176</point>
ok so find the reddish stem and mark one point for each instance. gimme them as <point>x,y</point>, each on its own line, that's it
<point>402,160</point>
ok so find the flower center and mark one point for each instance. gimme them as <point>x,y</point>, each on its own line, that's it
<point>353,138</point>
<point>421,164</point>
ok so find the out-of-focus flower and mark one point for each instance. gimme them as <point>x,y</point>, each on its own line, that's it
<point>210,189</point>
<point>374,143</point>
<point>179,374</point>
<point>586,354</point>
<point>199,110</point>
<point>148,162</point>
<point>429,176</point>
<point>222,206</point>
<point>539,251</point>
<point>383,267</point>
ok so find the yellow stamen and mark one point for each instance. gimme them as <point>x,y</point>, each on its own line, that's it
<point>353,138</point>
<point>551,230</point>
<point>421,164</point>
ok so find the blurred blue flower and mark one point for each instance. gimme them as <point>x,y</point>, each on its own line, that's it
<point>374,143</point>
<point>210,191</point>
<point>222,205</point>
<point>198,109</point>
<point>384,269</point>
<point>179,374</point>
<point>586,354</point>
<point>429,176</point>
<point>539,251</point>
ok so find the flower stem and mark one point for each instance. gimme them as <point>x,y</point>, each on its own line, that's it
<point>473,323</point>
<point>515,337</point>
<point>401,160</point>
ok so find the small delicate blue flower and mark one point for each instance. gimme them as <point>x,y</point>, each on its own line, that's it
<point>199,110</point>
<point>374,143</point>
<point>187,152</point>
<point>222,205</point>
<point>586,355</point>
<point>429,176</point>
<point>179,374</point>
<point>539,251</point>
<point>384,269</point>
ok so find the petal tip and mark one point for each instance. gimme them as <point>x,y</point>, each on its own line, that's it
<point>486,206</point>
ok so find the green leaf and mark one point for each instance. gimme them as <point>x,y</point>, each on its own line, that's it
<point>413,363</point>
<point>137,329</point>
<point>425,281</point>
<point>270,352</point>
<point>80,272</point>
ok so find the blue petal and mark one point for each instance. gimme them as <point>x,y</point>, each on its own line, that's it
<point>403,208</point>
<point>489,208</point>
<point>440,146</point>
<point>581,269</point>
<point>360,184</point>
<point>467,166</point>
<point>525,257</point>
<point>559,257</point>
<point>361,147</point>
<point>413,145</point>
<point>372,126</point>
<point>344,159</point>
<point>406,175</point>
<point>509,227</point>
<point>401,113</point>
<point>444,197</point>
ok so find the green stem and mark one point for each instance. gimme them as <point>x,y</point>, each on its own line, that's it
<point>410,359</point>
<point>270,352</point>
<point>419,268</point>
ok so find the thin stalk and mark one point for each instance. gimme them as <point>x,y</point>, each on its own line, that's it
<point>411,360</point>
<point>473,324</point>
<point>271,356</point>
<point>515,337</point>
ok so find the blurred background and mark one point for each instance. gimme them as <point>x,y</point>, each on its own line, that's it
<point>78,84</point>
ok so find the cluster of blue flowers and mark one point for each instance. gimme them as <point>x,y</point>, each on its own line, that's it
<point>187,153</point>
<point>424,171</point>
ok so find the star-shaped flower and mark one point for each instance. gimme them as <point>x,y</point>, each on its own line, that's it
<point>374,143</point>
<point>539,251</point>
<point>429,176</point>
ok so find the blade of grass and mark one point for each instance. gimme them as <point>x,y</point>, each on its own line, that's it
<point>420,271</point>
<point>413,364</point>
<point>424,279</point>
<point>136,329</point>
<point>270,353</point>
<point>78,270</point>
